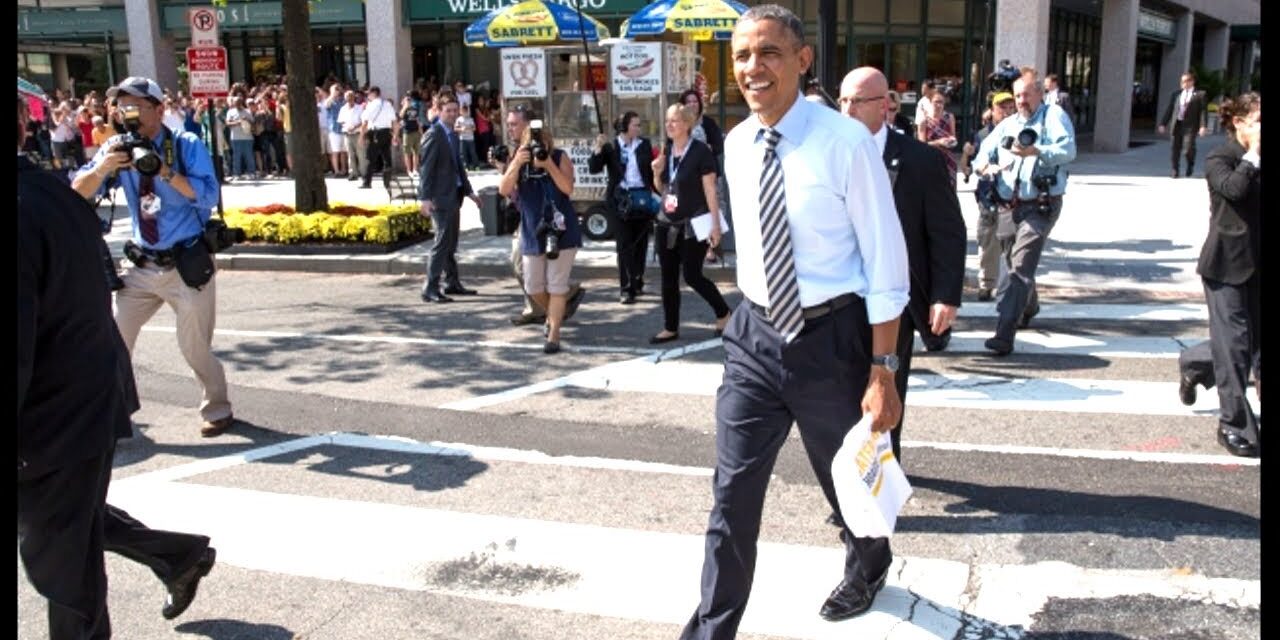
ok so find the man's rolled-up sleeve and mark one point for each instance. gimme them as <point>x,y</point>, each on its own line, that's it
<point>200,174</point>
<point>869,201</point>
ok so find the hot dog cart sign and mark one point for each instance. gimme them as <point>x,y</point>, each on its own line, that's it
<point>524,73</point>
<point>636,68</point>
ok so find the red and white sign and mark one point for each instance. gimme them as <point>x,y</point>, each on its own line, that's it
<point>204,26</point>
<point>207,72</point>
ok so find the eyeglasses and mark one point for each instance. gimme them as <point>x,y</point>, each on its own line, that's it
<point>845,100</point>
<point>893,109</point>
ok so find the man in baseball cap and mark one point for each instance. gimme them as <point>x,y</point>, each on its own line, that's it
<point>140,87</point>
<point>1000,98</point>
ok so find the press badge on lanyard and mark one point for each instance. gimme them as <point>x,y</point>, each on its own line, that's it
<point>670,201</point>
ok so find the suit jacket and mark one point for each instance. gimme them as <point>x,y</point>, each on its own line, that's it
<point>440,169</point>
<point>931,224</point>
<point>1230,252</point>
<point>75,381</point>
<point>1196,110</point>
<point>610,158</point>
<point>1065,102</point>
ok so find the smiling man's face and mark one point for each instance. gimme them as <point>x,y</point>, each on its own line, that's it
<point>767,63</point>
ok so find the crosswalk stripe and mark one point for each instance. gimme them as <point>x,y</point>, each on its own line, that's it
<point>578,568</point>
<point>1099,311</point>
<point>1063,344</point>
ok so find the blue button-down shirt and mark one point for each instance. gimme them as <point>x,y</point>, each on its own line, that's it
<point>179,218</point>
<point>1056,143</point>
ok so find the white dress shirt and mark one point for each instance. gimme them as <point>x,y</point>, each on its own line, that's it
<point>845,233</point>
<point>349,118</point>
<point>631,176</point>
<point>881,137</point>
<point>378,113</point>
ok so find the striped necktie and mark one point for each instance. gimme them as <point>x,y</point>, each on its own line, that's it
<point>775,235</point>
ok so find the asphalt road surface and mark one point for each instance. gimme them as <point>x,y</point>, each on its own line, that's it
<point>406,471</point>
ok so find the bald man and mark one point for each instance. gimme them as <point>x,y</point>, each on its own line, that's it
<point>931,224</point>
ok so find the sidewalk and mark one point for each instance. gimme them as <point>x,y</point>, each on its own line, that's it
<point>1126,227</point>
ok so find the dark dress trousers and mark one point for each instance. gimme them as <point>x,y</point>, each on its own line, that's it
<point>75,395</point>
<point>443,181</point>
<point>937,242</point>
<point>1230,269</point>
<point>632,236</point>
<point>1184,131</point>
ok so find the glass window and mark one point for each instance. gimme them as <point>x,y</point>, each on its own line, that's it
<point>905,30</point>
<point>946,12</point>
<point>869,54</point>
<point>868,11</point>
<point>904,12</point>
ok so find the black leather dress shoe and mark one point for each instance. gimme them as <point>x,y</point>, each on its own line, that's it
<point>941,343</point>
<point>999,346</point>
<point>183,588</point>
<point>851,599</point>
<point>435,296</point>
<point>1236,445</point>
<point>627,298</point>
<point>1186,391</point>
<point>459,290</point>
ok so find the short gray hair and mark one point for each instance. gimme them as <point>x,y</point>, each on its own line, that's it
<point>779,13</point>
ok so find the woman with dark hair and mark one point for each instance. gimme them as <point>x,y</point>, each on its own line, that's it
<point>1231,269</point>
<point>627,158</point>
<point>938,130</point>
<point>704,128</point>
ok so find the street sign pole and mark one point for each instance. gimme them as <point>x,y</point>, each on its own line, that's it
<point>207,76</point>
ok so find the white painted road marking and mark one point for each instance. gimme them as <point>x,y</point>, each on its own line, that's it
<point>656,580</point>
<point>1050,343</point>
<point>1089,311</point>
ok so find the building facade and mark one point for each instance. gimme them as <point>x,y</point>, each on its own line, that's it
<point>1116,57</point>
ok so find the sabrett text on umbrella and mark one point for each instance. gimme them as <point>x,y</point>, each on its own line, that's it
<point>503,33</point>
<point>705,23</point>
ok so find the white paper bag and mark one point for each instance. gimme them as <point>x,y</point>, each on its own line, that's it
<point>702,226</point>
<point>869,482</point>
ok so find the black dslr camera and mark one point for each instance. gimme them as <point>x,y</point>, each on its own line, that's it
<point>218,236</point>
<point>537,149</point>
<point>1026,138</point>
<point>500,153</point>
<point>1043,183</point>
<point>136,145</point>
<point>1001,80</point>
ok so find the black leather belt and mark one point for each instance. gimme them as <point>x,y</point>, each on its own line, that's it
<point>817,310</point>
<point>143,256</point>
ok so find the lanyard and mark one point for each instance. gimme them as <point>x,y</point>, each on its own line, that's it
<point>672,165</point>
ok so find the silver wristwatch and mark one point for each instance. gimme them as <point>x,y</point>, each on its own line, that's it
<point>888,361</point>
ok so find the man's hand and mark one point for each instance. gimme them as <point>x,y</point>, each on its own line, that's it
<point>427,207</point>
<point>600,141</point>
<point>1160,129</point>
<point>1025,152</point>
<point>112,162</point>
<point>881,400</point>
<point>941,317</point>
<point>992,169</point>
<point>522,157</point>
<point>1204,131</point>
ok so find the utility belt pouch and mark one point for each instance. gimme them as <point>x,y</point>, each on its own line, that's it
<point>134,253</point>
<point>194,262</point>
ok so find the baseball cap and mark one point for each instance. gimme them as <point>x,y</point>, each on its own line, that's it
<point>1001,97</point>
<point>138,86</point>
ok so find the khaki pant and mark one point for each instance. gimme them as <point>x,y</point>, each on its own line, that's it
<point>146,288</point>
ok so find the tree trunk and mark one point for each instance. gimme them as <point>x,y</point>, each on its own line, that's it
<point>310,193</point>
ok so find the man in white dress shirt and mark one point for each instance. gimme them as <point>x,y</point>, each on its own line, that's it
<point>377,126</point>
<point>823,266</point>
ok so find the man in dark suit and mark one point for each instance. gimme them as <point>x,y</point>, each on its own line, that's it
<point>442,183</point>
<point>75,395</point>
<point>1231,269</point>
<point>931,224</point>
<point>628,159</point>
<point>1186,116</point>
<point>1053,94</point>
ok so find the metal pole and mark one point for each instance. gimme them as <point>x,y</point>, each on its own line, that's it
<point>111,58</point>
<point>586,58</point>
<point>826,72</point>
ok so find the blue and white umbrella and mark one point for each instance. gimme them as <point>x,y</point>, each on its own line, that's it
<point>702,19</point>
<point>533,22</point>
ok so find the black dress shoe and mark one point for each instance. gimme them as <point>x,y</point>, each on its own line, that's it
<point>183,588</point>
<point>522,320</point>
<point>627,298</point>
<point>551,346</point>
<point>1027,315</point>
<point>851,599</point>
<point>435,296</point>
<point>985,294</point>
<point>941,343</point>
<point>1186,391</point>
<point>1000,346</point>
<point>1236,445</point>
<point>459,290</point>
<point>659,339</point>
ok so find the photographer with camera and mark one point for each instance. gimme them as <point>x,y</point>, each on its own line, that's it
<point>1026,154</point>
<point>170,186</point>
<point>630,192</point>
<point>540,179</point>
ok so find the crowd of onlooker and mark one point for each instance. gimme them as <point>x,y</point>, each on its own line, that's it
<point>252,127</point>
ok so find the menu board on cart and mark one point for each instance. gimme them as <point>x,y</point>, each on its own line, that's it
<point>680,68</point>
<point>524,73</point>
<point>636,68</point>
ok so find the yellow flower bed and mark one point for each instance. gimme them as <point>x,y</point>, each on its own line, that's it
<point>392,223</point>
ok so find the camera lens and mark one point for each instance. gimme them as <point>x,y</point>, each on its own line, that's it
<point>1027,137</point>
<point>146,161</point>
